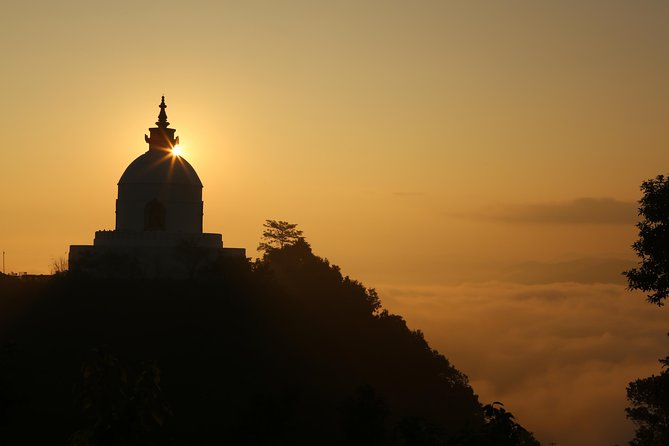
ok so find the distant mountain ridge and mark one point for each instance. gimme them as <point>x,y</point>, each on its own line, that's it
<point>582,270</point>
<point>532,272</point>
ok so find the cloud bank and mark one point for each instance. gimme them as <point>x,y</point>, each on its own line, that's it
<point>558,355</point>
<point>587,210</point>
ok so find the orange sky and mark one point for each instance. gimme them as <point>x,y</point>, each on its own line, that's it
<point>417,144</point>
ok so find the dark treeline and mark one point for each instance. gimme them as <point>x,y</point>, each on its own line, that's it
<point>284,350</point>
<point>649,397</point>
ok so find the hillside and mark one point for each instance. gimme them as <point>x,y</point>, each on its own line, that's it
<point>284,350</point>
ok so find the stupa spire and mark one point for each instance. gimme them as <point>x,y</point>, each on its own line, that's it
<point>162,116</point>
<point>162,137</point>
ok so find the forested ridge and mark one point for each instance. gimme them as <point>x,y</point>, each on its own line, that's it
<point>281,350</point>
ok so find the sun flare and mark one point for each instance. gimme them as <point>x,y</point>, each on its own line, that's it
<point>177,150</point>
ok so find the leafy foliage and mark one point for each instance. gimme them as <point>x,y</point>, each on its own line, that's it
<point>652,274</point>
<point>503,429</point>
<point>649,398</point>
<point>120,405</point>
<point>364,417</point>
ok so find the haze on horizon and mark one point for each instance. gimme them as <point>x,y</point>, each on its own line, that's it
<point>469,157</point>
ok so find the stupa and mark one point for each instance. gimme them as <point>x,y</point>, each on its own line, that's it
<point>159,213</point>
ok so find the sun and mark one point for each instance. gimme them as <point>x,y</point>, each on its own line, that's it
<point>177,150</point>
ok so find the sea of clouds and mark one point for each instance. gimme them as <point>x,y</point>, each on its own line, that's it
<point>558,355</point>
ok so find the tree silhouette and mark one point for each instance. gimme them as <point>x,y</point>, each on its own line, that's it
<point>59,266</point>
<point>502,428</point>
<point>8,372</point>
<point>364,417</point>
<point>650,408</point>
<point>652,274</point>
<point>649,397</point>
<point>279,234</point>
<point>120,405</point>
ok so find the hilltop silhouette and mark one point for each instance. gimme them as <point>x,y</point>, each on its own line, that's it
<point>283,350</point>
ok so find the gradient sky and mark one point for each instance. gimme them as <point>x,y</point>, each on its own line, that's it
<point>419,145</point>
